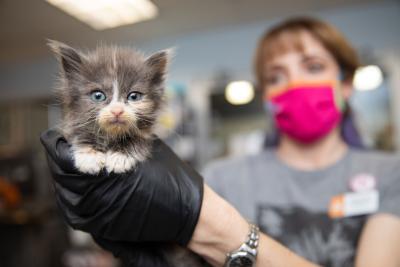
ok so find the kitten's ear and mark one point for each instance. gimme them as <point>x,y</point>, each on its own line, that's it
<point>158,63</point>
<point>69,58</point>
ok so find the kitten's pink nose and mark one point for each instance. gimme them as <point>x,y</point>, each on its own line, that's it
<point>117,110</point>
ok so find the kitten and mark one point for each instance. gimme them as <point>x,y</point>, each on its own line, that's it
<point>110,99</point>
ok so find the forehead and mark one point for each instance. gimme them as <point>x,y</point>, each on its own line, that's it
<point>114,63</point>
<point>295,43</point>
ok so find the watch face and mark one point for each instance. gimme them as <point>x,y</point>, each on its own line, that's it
<point>241,262</point>
<point>241,259</point>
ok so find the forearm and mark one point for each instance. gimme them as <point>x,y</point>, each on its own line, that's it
<point>273,254</point>
<point>222,229</point>
<point>380,242</point>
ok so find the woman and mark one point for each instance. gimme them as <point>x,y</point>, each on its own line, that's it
<point>305,68</point>
<point>297,193</point>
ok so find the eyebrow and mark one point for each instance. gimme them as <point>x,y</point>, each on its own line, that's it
<point>274,67</point>
<point>308,57</point>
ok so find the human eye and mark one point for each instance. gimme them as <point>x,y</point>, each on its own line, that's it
<point>315,67</point>
<point>274,79</point>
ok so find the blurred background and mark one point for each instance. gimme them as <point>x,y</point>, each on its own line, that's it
<point>213,109</point>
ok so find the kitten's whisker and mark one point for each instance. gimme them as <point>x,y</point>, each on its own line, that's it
<point>85,123</point>
<point>82,125</point>
<point>91,119</point>
<point>146,120</point>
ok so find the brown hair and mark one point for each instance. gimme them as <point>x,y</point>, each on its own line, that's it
<point>275,41</point>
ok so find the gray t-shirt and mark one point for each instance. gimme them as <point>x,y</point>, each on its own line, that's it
<point>291,205</point>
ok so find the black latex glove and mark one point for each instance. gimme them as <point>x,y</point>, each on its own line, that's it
<point>159,201</point>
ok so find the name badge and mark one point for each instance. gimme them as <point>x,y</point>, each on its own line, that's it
<point>353,204</point>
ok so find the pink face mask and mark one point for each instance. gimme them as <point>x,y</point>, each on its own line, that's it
<point>305,112</point>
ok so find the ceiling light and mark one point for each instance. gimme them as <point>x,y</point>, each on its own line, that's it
<point>368,78</point>
<point>105,14</point>
<point>239,92</point>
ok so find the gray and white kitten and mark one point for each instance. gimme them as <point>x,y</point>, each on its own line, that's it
<point>110,99</point>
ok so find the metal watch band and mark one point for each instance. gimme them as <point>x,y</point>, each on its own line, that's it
<point>251,243</point>
<point>252,238</point>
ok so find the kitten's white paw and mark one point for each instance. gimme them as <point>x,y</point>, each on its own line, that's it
<point>88,160</point>
<point>118,162</point>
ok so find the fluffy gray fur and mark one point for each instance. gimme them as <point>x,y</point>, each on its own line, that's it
<point>101,70</point>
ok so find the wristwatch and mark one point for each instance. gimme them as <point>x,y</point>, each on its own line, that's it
<point>246,254</point>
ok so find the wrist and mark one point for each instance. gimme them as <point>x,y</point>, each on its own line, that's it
<point>220,229</point>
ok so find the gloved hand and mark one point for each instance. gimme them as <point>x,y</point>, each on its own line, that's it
<point>159,200</point>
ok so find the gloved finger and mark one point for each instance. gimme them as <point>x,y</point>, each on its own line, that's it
<point>61,164</point>
<point>72,181</point>
<point>58,149</point>
<point>87,198</point>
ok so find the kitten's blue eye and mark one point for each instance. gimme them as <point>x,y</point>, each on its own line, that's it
<point>134,96</point>
<point>98,96</point>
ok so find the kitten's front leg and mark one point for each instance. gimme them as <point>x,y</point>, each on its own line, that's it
<point>118,162</point>
<point>87,159</point>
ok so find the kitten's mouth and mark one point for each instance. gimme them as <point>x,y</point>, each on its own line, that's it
<point>117,121</point>
<point>116,127</point>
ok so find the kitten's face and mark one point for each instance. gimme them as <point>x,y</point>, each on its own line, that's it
<point>115,91</point>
